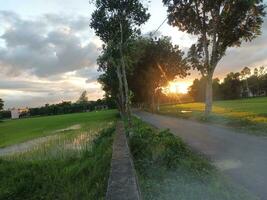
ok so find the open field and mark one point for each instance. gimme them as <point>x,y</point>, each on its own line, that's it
<point>17,131</point>
<point>248,114</point>
<point>72,165</point>
<point>168,169</point>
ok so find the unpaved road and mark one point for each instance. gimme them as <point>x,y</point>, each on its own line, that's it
<point>242,157</point>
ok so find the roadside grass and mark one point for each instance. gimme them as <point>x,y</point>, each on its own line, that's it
<point>245,114</point>
<point>168,169</point>
<point>72,166</point>
<point>21,130</point>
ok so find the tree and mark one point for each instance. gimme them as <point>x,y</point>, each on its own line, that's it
<point>231,86</point>
<point>83,98</point>
<point>245,73</point>
<point>197,89</point>
<point>115,22</point>
<point>1,104</point>
<point>158,62</point>
<point>218,24</point>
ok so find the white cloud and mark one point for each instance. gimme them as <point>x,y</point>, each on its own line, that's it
<point>46,59</point>
<point>34,46</point>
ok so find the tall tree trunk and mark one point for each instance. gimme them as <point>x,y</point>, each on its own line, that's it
<point>126,91</point>
<point>208,101</point>
<point>153,102</point>
<point>158,102</point>
<point>121,94</point>
<point>247,88</point>
<point>124,76</point>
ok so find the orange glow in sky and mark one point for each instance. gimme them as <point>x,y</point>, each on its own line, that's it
<point>177,87</point>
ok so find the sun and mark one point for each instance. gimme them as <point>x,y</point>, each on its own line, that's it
<point>177,87</point>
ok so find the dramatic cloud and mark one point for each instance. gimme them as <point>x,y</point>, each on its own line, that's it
<point>46,46</point>
<point>47,59</point>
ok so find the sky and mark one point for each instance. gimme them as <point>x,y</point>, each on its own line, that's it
<point>48,52</point>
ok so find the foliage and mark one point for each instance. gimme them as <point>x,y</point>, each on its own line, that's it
<point>218,24</point>
<point>197,89</point>
<point>83,177</point>
<point>67,107</point>
<point>5,114</point>
<point>168,169</point>
<point>231,86</point>
<point>109,14</point>
<point>159,62</point>
<point>1,104</point>
<point>83,98</point>
<point>234,86</point>
<point>16,131</point>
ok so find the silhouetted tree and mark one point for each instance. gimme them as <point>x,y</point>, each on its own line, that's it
<point>158,63</point>
<point>231,86</point>
<point>115,22</point>
<point>197,89</point>
<point>83,98</point>
<point>1,104</point>
<point>218,24</point>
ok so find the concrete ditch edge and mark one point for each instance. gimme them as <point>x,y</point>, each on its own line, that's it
<point>123,183</point>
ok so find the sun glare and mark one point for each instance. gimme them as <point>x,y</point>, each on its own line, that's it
<point>177,87</point>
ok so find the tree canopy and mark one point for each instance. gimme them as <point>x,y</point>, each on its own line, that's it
<point>109,14</point>
<point>1,104</point>
<point>83,98</point>
<point>159,62</point>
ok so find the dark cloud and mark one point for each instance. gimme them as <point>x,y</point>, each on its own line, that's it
<point>45,46</point>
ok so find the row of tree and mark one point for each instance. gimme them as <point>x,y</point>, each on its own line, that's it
<point>65,107</point>
<point>156,62</point>
<point>136,68</point>
<point>235,85</point>
<point>1,104</point>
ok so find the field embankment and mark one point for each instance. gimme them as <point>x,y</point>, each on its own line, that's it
<point>245,114</point>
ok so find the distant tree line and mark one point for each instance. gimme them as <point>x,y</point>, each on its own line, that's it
<point>1,104</point>
<point>65,107</point>
<point>246,83</point>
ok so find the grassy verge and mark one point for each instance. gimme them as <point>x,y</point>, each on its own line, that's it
<point>168,169</point>
<point>16,131</point>
<point>249,115</point>
<point>82,175</point>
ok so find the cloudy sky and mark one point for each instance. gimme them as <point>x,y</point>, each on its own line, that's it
<point>48,52</point>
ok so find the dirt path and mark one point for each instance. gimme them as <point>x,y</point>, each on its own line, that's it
<point>242,157</point>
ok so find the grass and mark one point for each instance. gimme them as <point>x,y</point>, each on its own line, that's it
<point>247,114</point>
<point>17,131</point>
<point>74,164</point>
<point>168,169</point>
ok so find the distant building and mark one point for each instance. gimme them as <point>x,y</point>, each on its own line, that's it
<point>15,112</point>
